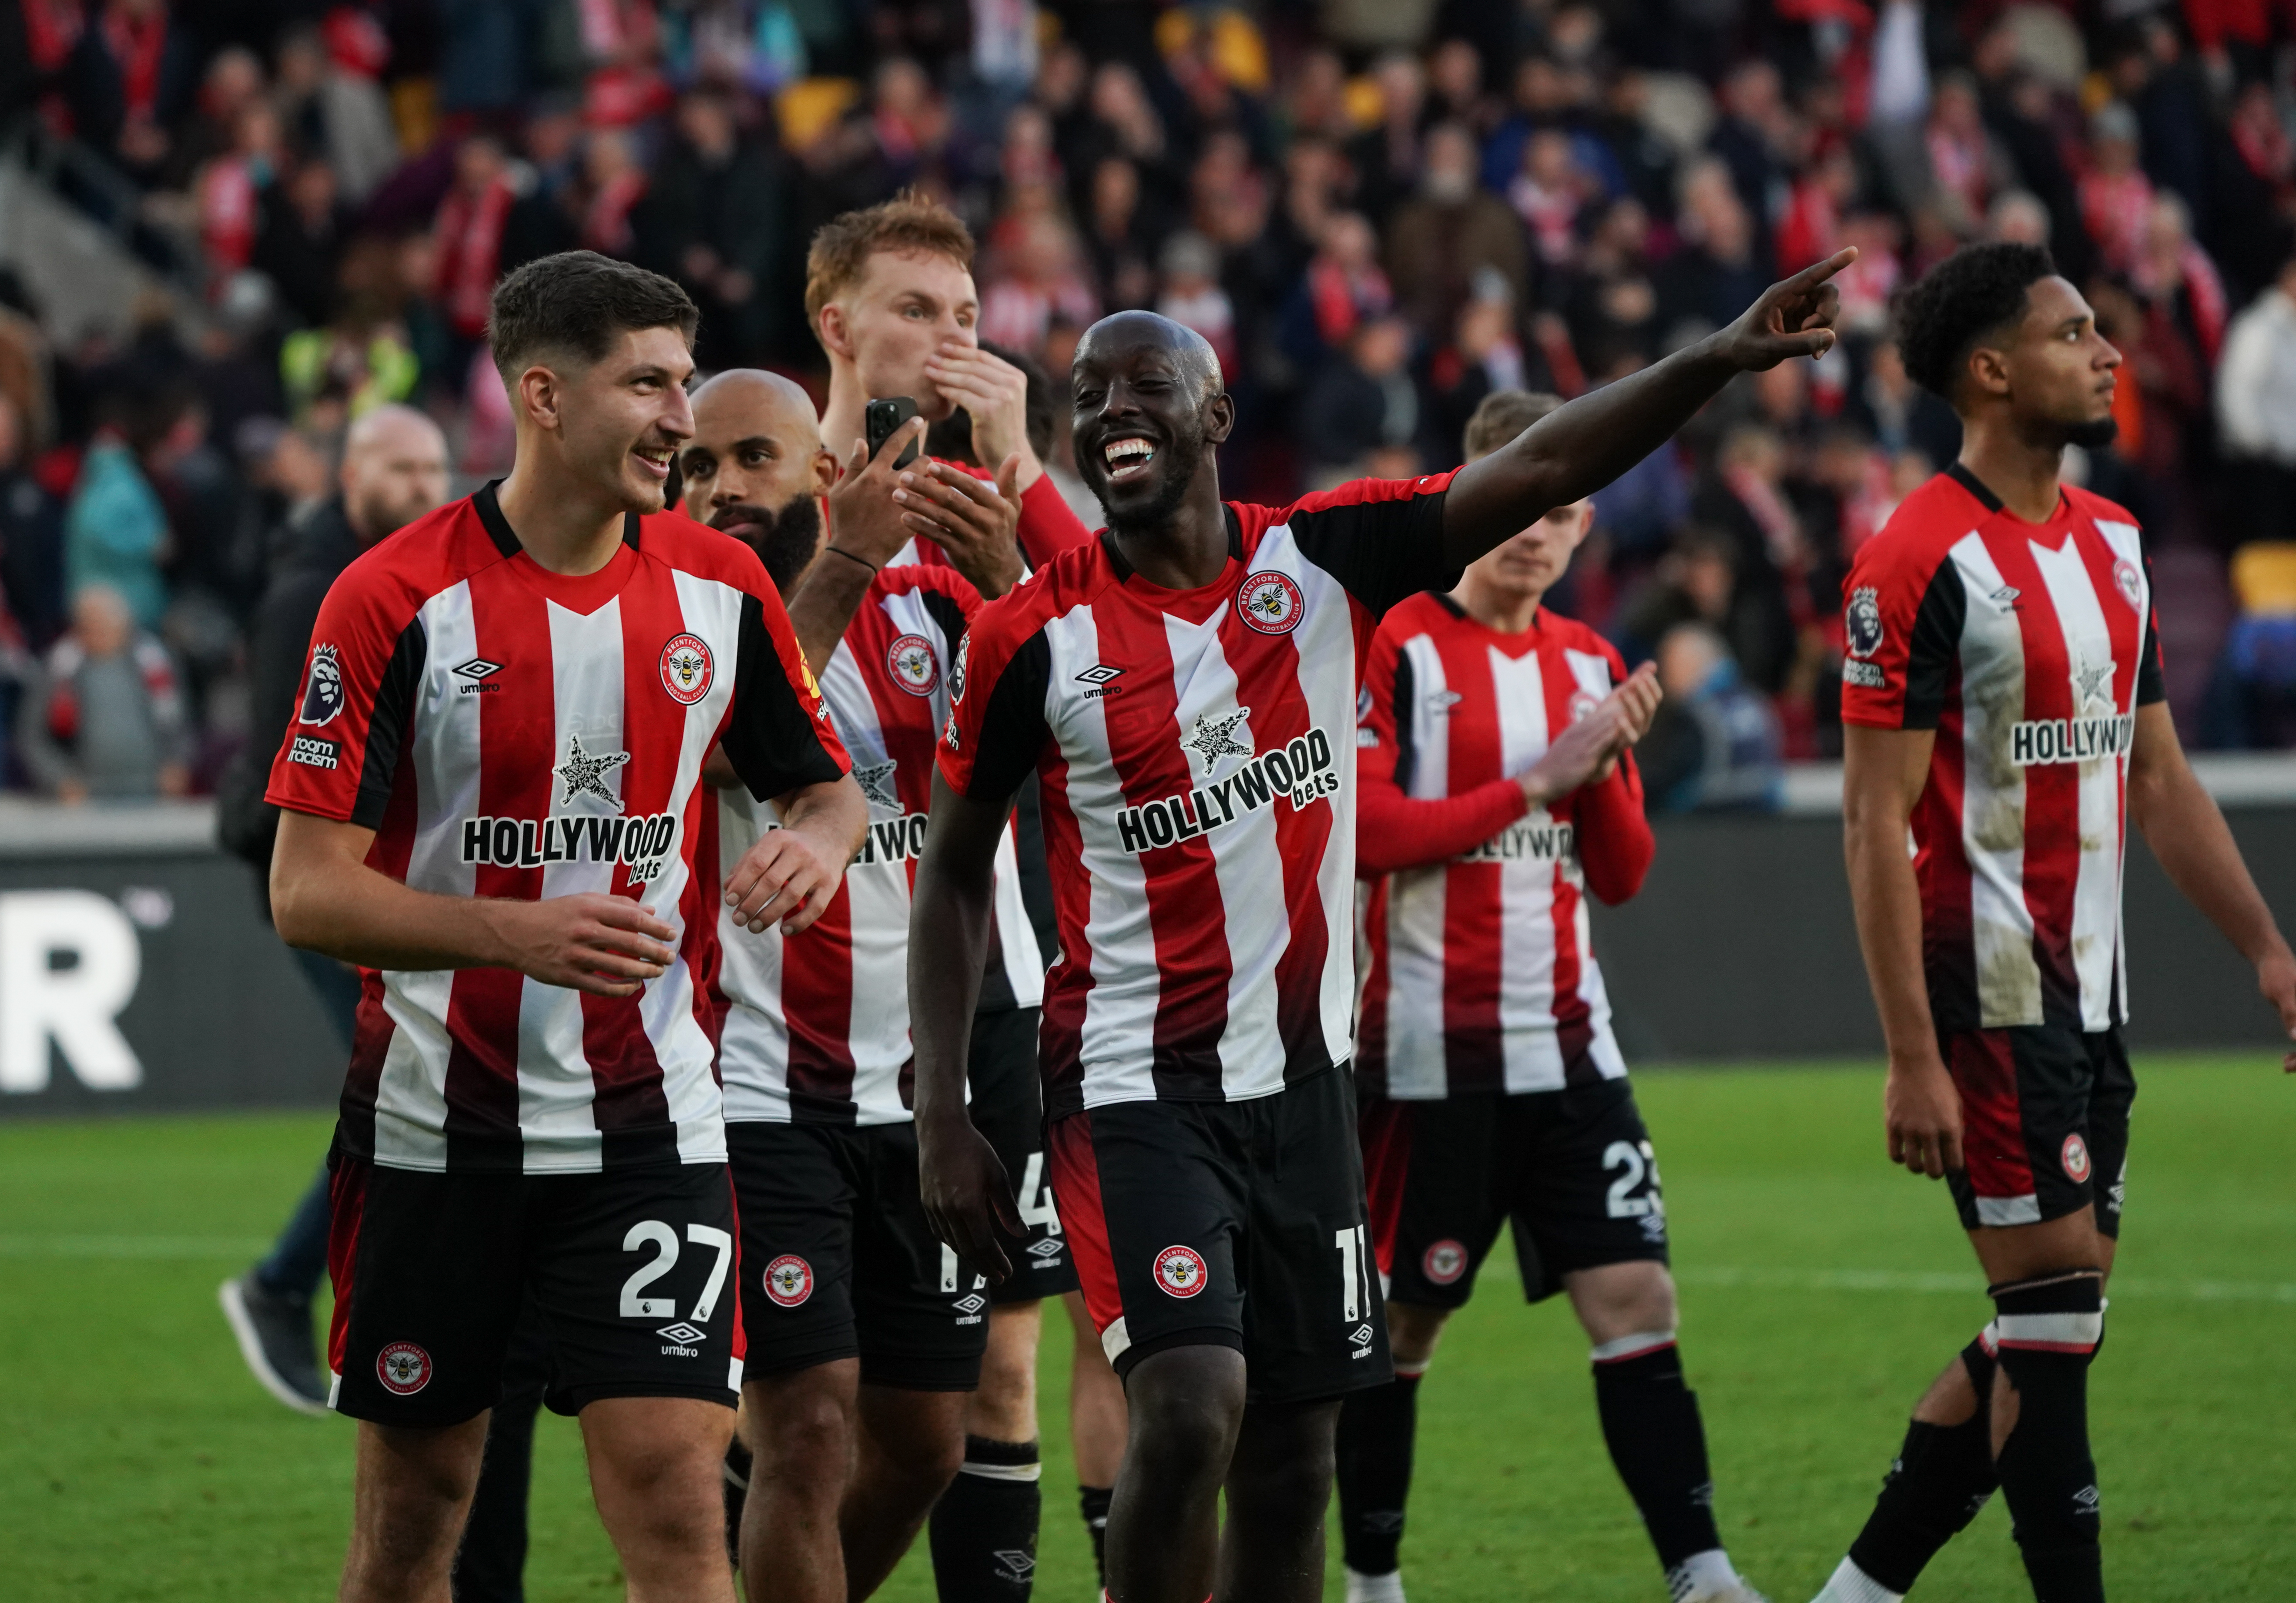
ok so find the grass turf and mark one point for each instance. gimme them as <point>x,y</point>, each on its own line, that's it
<point>1820,1291</point>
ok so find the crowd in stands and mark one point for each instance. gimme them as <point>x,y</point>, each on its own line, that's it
<point>1376,210</point>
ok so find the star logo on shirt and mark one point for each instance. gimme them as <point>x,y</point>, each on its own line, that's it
<point>585,775</point>
<point>876,782</point>
<point>1213,737</point>
<point>2092,684</point>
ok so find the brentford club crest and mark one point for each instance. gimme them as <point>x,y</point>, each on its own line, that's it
<point>686,669</point>
<point>2074,1159</point>
<point>1180,1271</point>
<point>403,1367</point>
<point>1270,603</point>
<point>2130,582</point>
<point>1443,1263</point>
<point>789,1280</point>
<point>911,662</point>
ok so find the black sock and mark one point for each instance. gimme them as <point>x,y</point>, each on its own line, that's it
<point>1373,1451</point>
<point>1942,1476</point>
<point>1650,1421</point>
<point>2049,1328</point>
<point>984,1528</point>
<point>1095,1501</point>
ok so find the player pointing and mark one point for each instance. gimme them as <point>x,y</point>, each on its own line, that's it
<point>2002,698</point>
<point>1184,686</point>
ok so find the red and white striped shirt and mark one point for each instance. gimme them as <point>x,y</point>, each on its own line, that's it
<point>2028,648</point>
<point>511,731</point>
<point>1199,802</point>
<point>818,1030</point>
<point>1482,974</point>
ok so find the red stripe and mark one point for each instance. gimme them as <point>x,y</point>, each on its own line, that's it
<point>517,758</point>
<point>347,1200</point>
<point>1370,1018</point>
<point>1185,914</point>
<point>1942,869</point>
<point>2052,855</point>
<point>733,1287</point>
<point>1069,985</point>
<point>817,1002</point>
<point>1383,1130</point>
<point>1268,670</point>
<point>1992,1121</point>
<point>1075,1174</point>
<point>1568,1007</point>
<point>1474,895</point>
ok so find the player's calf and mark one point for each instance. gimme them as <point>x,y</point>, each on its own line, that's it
<point>2048,1329</point>
<point>412,1495</point>
<point>799,1429</point>
<point>1186,1408</point>
<point>656,1465</point>
<point>1377,1432</point>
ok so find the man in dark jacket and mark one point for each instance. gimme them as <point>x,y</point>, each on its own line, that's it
<point>394,471</point>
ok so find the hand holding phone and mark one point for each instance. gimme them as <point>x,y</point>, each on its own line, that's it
<point>881,418</point>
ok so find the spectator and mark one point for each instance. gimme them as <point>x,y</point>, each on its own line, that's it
<point>301,243</point>
<point>115,529</point>
<point>1193,297</point>
<point>107,721</point>
<point>1719,749</point>
<point>334,108</point>
<point>32,539</point>
<point>467,242</point>
<point>1451,232</point>
<point>1363,414</point>
<point>2256,408</point>
<point>713,218</point>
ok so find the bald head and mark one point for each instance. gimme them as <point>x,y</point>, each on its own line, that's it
<point>394,471</point>
<point>755,465</point>
<point>1122,332</point>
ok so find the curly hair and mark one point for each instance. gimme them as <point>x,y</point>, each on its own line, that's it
<point>1967,296</point>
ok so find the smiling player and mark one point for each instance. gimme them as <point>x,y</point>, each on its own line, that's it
<point>1184,686</point>
<point>2002,704</point>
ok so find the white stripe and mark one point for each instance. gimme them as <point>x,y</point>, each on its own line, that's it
<point>1115,1339</point>
<point>1417,897</point>
<point>1329,673</point>
<point>1592,670</point>
<point>2009,1210</point>
<point>2053,1329</point>
<point>410,1095</point>
<point>753,1056</point>
<point>2096,885</point>
<point>1119,1033</point>
<point>1631,1346</point>
<point>1023,1473</point>
<point>1526,932</point>
<point>1993,797</point>
<point>733,1375</point>
<point>2127,545</point>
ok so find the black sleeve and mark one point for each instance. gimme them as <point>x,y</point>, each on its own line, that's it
<point>773,739</point>
<point>944,611</point>
<point>1398,714</point>
<point>280,642</point>
<point>1011,729</point>
<point>1382,551</point>
<point>387,725</point>
<point>2149,686</point>
<point>1933,654</point>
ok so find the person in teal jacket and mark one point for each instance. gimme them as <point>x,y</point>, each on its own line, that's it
<point>115,529</point>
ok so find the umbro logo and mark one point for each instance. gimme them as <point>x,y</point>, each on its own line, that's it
<point>682,1332</point>
<point>1050,1247</point>
<point>2005,597</point>
<point>475,673</point>
<point>1102,677</point>
<point>972,1303</point>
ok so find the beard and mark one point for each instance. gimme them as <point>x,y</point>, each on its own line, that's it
<point>2094,435</point>
<point>785,541</point>
<point>1185,455</point>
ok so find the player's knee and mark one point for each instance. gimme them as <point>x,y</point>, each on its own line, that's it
<point>1413,1333</point>
<point>1620,1300</point>
<point>799,1431</point>
<point>1183,1430</point>
<point>1289,1488</point>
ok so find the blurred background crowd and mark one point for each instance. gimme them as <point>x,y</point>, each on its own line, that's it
<point>1376,210</point>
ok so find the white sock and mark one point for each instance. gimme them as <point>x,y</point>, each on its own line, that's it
<point>1851,1584</point>
<point>1375,1589</point>
<point>1705,1574</point>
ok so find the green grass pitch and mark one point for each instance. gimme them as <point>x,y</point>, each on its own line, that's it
<point>1820,1291</point>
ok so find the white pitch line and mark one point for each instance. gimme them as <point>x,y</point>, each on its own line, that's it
<point>1970,1284</point>
<point>130,1247</point>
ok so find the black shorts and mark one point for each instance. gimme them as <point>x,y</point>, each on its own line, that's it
<point>837,1260</point>
<point>1570,1170</point>
<point>1237,1224</point>
<point>2044,1124</point>
<point>1008,1108</point>
<point>631,1270</point>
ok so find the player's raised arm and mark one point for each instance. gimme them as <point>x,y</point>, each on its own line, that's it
<point>2186,831</point>
<point>966,1189</point>
<point>1577,449</point>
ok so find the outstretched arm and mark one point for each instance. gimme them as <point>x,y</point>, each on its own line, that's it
<point>2181,822</point>
<point>1577,449</point>
<point>966,1190</point>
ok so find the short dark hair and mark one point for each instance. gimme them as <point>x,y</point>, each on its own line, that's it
<point>1967,296</point>
<point>577,301</point>
<point>1502,414</point>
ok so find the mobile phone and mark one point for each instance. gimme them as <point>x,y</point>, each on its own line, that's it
<point>883,420</point>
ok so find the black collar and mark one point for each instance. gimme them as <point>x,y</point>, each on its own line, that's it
<point>1975,485</point>
<point>1124,570</point>
<point>488,505</point>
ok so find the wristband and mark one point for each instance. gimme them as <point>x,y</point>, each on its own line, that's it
<point>850,557</point>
